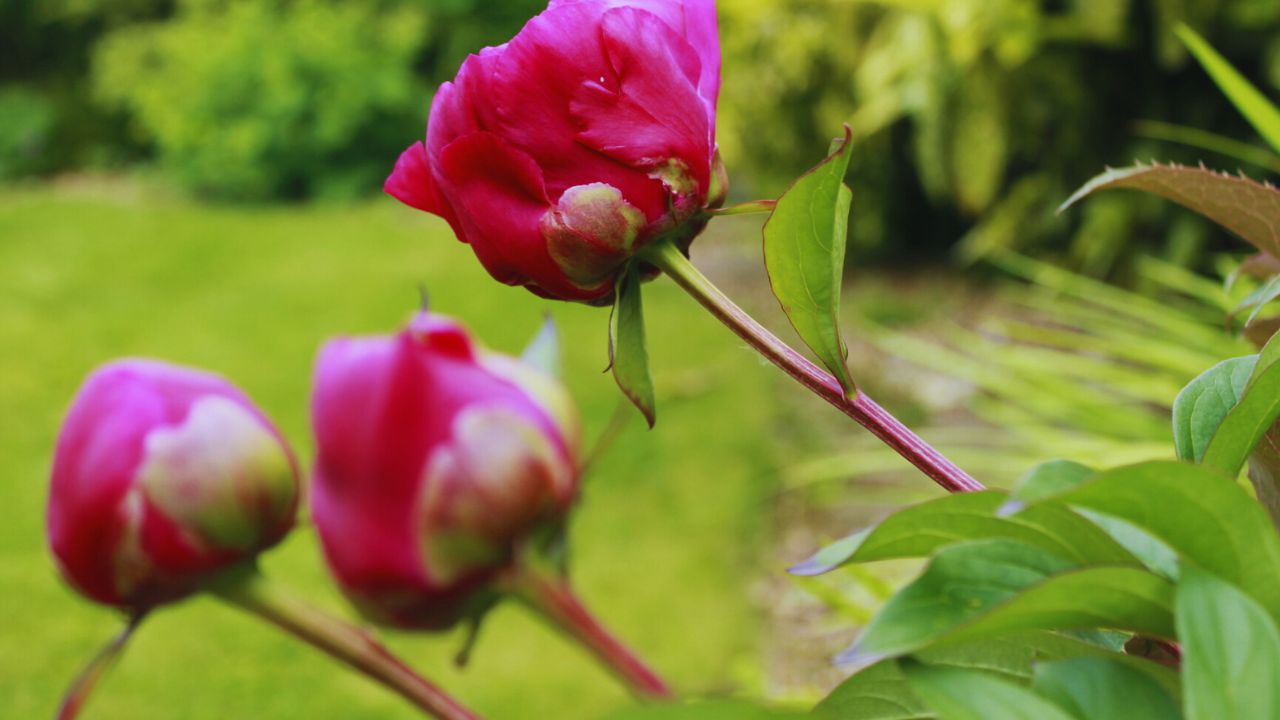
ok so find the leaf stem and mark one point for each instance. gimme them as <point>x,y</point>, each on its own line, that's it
<point>549,595</point>
<point>670,260</point>
<point>249,590</point>
<point>82,687</point>
<point>746,208</point>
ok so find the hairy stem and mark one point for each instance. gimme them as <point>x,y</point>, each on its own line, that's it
<point>252,592</point>
<point>549,595</point>
<point>667,258</point>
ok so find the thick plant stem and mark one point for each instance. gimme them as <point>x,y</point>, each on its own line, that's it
<point>549,595</point>
<point>252,592</point>
<point>82,687</point>
<point>667,258</point>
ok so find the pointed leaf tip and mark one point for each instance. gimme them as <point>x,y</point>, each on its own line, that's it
<point>628,348</point>
<point>543,351</point>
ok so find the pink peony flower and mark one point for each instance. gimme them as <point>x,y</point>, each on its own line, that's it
<point>436,460</point>
<point>162,476</point>
<point>561,153</point>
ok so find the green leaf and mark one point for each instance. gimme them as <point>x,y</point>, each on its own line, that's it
<point>628,349</point>
<point>1254,413</point>
<point>993,587</point>
<point>1230,651</point>
<point>804,242</point>
<point>1247,208</point>
<point>918,530</point>
<point>881,692</point>
<point>1203,515</point>
<point>720,710</point>
<point>1049,478</point>
<point>1201,406</point>
<point>1096,688</point>
<point>543,352</point>
<point>1261,113</point>
<point>969,695</point>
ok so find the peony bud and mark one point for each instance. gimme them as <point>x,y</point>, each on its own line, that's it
<point>162,476</point>
<point>560,154</point>
<point>436,460</point>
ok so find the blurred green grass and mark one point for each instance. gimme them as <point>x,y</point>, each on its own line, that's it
<point>666,544</point>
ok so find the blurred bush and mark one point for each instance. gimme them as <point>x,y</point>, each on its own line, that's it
<point>989,112</point>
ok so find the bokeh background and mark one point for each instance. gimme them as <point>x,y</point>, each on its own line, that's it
<point>198,180</point>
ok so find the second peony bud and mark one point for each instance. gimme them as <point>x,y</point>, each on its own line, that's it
<point>436,460</point>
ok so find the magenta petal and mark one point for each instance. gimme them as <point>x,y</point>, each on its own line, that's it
<point>655,114</point>
<point>500,197</point>
<point>412,183</point>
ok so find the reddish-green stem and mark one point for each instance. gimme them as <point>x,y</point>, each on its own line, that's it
<point>250,591</point>
<point>550,596</point>
<point>667,258</point>
<point>82,687</point>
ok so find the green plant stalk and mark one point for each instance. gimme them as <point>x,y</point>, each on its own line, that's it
<point>549,594</point>
<point>669,259</point>
<point>249,590</point>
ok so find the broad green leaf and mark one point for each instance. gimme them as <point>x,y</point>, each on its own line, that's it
<point>719,710</point>
<point>1201,514</point>
<point>1230,651</point>
<point>994,587</point>
<point>1254,413</point>
<point>969,695</point>
<point>804,242</point>
<point>1158,557</point>
<point>1047,479</point>
<point>1096,688</point>
<point>881,692</point>
<point>1201,406</point>
<point>543,352</point>
<point>1261,113</point>
<point>920,529</point>
<point>1246,207</point>
<point>628,349</point>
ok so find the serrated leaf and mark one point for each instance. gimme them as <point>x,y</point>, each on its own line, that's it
<point>919,530</point>
<point>1261,113</point>
<point>543,351</point>
<point>881,692</point>
<point>628,348</point>
<point>1230,651</point>
<point>1201,406</point>
<point>1246,207</point>
<point>993,587</point>
<point>1253,414</point>
<point>1104,689</point>
<point>804,244</point>
<point>1201,514</point>
<point>969,695</point>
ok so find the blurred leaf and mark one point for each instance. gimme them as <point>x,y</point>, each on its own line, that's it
<point>979,140</point>
<point>969,695</point>
<point>720,710</point>
<point>1246,207</point>
<point>1203,515</point>
<point>804,242</point>
<point>1230,651</point>
<point>1201,406</point>
<point>543,352</point>
<point>1256,300</point>
<point>992,587</point>
<point>1104,689</point>
<point>1256,108</point>
<point>1049,478</point>
<point>1254,413</point>
<point>919,530</point>
<point>628,349</point>
<point>1213,142</point>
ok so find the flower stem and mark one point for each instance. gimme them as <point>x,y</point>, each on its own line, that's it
<point>549,595</point>
<point>82,687</point>
<point>746,208</point>
<point>252,592</point>
<point>667,258</point>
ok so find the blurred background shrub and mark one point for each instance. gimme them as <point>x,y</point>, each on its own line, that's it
<point>985,111</point>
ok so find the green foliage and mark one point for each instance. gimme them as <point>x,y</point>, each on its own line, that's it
<point>628,348</point>
<point>248,100</point>
<point>26,119</point>
<point>804,244</point>
<point>1202,404</point>
<point>1257,109</point>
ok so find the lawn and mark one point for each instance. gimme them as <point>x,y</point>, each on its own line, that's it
<point>667,542</point>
